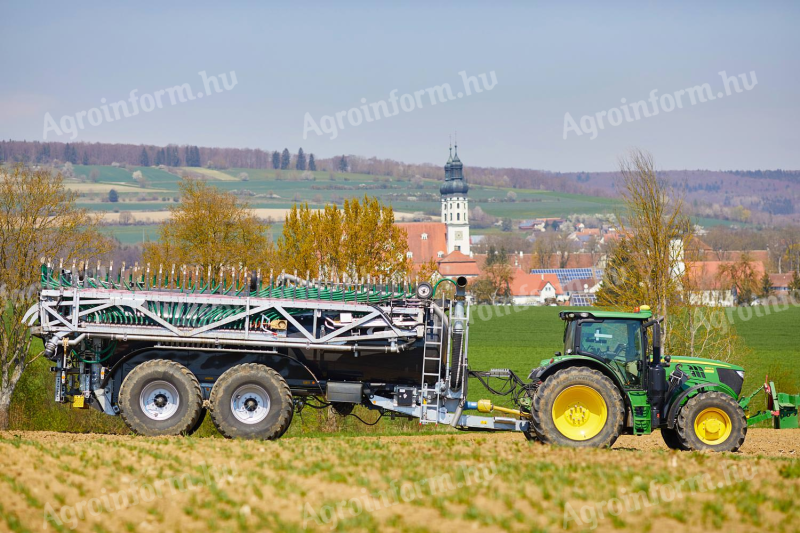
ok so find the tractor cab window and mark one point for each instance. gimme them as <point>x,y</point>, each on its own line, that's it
<point>618,342</point>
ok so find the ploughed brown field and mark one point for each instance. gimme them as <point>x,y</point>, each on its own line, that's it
<point>438,482</point>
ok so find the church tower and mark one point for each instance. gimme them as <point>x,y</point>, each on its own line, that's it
<point>455,206</point>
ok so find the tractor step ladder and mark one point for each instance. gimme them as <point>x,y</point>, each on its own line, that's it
<point>432,404</point>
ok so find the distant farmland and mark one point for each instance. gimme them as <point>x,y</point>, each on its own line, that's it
<point>271,189</point>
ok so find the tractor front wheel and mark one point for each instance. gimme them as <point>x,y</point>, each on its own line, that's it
<point>578,407</point>
<point>712,421</point>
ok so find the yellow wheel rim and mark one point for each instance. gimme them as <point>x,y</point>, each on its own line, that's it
<point>713,426</point>
<point>579,412</point>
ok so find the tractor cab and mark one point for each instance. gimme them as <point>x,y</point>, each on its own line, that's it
<point>617,340</point>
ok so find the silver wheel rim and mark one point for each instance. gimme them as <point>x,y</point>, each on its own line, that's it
<point>250,404</point>
<point>159,400</point>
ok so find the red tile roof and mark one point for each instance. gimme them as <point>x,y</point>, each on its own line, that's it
<point>706,274</point>
<point>525,284</point>
<point>780,280</point>
<point>457,264</point>
<point>423,250</point>
<point>527,261</point>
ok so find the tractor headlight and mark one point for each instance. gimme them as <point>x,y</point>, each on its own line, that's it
<point>740,373</point>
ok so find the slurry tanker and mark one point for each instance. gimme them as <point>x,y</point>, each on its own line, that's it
<point>162,348</point>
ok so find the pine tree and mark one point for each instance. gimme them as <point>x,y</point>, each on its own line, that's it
<point>192,156</point>
<point>794,285</point>
<point>42,156</point>
<point>160,159</point>
<point>343,164</point>
<point>766,286</point>
<point>144,159</point>
<point>312,163</point>
<point>276,160</point>
<point>70,154</point>
<point>301,160</point>
<point>113,197</point>
<point>85,160</point>
<point>286,159</point>
<point>173,158</point>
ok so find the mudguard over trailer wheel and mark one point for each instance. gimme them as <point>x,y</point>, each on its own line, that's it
<point>712,421</point>
<point>160,398</point>
<point>578,407</point>
<point>251,401</point>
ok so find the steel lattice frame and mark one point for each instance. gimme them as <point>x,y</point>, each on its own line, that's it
<point>68,313</point>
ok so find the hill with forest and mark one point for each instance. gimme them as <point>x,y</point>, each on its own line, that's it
<point>760,197</point>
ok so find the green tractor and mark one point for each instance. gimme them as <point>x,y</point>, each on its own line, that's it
<point>612,379</point>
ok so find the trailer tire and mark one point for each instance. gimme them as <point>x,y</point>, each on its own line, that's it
<point>160,388</point>
<point>712,421</point>
<point>251,401</point>
<point>672,439</point>
<point>199,422</point>
<point>591,396</point>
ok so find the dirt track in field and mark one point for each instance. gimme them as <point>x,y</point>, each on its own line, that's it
<point>440,482</point>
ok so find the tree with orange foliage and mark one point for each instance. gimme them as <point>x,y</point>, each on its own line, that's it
<point>357,241</point>
<point>211,228</point>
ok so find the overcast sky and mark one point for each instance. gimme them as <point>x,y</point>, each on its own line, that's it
<point>294,62</point>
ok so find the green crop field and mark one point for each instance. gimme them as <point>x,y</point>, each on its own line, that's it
<point>132,234</point>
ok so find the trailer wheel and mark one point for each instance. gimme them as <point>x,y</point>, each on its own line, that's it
<point>578,407</point>
<point>199,422</point>
<point>672,440</point>
<point>251,401</point>
<point>159,398</point>
<point>712,421</point>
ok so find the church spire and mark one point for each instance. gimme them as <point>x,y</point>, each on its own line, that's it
<point>454,182</point>
<point>447,165</point>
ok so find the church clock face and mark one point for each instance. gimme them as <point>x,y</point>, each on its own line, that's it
<point>459,235</point>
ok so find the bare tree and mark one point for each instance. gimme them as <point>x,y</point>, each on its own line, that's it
<point>38,219</point>
<point>544,248</point>
<point>646,266</point>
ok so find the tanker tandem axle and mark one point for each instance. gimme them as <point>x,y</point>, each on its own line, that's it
<point>162,349</point>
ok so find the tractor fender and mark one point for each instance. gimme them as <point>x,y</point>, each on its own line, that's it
<point>672,416</point>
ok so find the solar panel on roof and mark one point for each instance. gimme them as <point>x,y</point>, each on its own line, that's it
<point>582,300</point>
<point>566,275</point>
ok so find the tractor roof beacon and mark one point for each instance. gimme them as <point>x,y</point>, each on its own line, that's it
<point>162,347</point>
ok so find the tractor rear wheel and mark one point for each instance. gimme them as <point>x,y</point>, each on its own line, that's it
<point>712,421</point>
<point>159,398</point>
<point>672,440</point>
<point>578,407</point>
<point>251,401</point>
